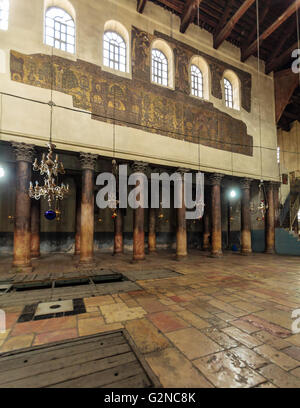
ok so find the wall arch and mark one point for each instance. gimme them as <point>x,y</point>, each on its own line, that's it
<point>236,87</point>
<point>201,63</point>
<point>119,28</point>
<point>164,47</point>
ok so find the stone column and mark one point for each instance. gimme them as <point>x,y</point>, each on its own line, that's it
<point>138,220</point>
<point>277,204</point>
<point>216,224</point>
<point>181,234</point>
<point>152,230</point>
<point>22,235</point>
<point>206,221</point>
<point>270,220</point>
<point>78,220</point>
<point>118,236</point>
<point>35,228</point>
<point>246,247</point>
<point>88,162</point>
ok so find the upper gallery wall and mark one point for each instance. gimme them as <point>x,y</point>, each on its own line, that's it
<point>162,124</point>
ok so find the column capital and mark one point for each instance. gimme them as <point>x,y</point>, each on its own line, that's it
<point>270,185</point>
<point>23,151</point>
<point>140,167</point>
<point>88,161</point>
<point>215,179</point>
<point>245,183</point>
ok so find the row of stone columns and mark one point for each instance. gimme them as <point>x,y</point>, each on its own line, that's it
<point>27,217</point>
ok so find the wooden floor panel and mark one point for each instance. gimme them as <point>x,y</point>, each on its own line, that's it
<point>90,362</point>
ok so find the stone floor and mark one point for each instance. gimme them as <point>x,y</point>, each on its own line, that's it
<point>221,323</point>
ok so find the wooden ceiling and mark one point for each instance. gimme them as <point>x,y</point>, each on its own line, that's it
<point>236,21</point>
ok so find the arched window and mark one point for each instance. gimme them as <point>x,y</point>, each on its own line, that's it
<point>228,92</point>
<point>4,10</point>
<point>196,81</point>
<point>60,30</point>
<point>159,67</point>
<point>199,77</point>
<point>114,52</point>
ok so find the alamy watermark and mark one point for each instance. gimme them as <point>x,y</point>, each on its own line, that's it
<point>184,185</point>
<point>296,322</point>
<point>2,322</point>
<point>296,63</point>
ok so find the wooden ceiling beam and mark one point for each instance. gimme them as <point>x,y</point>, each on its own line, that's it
<point>262,17</point>
<point>285,83</point>
<point>141,6</point>
<point>188,14</point>
<point>278,62</point>
<point>277,23</point>
<point>226,31</point>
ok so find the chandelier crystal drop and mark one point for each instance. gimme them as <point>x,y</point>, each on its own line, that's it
<point>51,168</point>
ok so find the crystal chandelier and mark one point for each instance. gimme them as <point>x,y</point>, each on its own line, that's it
<point>50,191</point>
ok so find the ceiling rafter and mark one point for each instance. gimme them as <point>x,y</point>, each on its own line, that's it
<point>273,27</point>
<point>283,59</point>
<point>226,31</point>
<point>189,13</point>
<point>262,17</point>
<point>141,5</point>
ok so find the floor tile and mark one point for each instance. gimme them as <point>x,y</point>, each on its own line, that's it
<point>279,377</point>
<point>146,336</point>
<point>120,312</point>
<point>167,321</point>
<point>17,342</point>
<point>175,371</point>
<point>242,337</point>
<point>277,357</point>
<point>225,370</point>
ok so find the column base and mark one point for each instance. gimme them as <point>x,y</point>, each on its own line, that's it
<point>270,251</point>
<point>152,251</point>
<point>35,255</point>
<point>246,252</point>
<point>22,269</point>
<point>218,254</point>
<point>138,259</point>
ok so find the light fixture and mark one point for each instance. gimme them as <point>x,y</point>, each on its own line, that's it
<point>51,168</point>
<point>2,172</point>
<point>232,193</point>
<point>50,191</point>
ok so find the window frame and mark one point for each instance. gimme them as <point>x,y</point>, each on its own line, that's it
<point>200,82</point>
<point>4,22</point>
<point>228,93</point>
<point>118,60</point>
<point>158,77</point>
<point>62,31</point>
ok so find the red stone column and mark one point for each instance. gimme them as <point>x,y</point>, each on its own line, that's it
<point>22,235</point>
<point>246,246</point>
<point>78,220</point>
<point>138,220</point>
<point>270,220</point>
<point>206,220</point>
<point>152,230</point>
<point>216,224</point>
<point>181,234</point>
<point>118,237</point>
<point>88,162</point>
<point>35,228</point>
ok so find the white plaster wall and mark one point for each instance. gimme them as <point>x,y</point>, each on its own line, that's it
<point>26,121</point>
